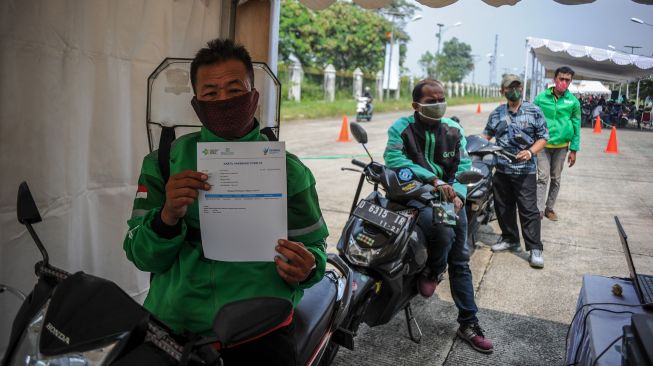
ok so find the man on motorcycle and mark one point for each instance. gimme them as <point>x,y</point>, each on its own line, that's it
<point>187,290</point>
<point>434,148</point>
<point>367,94</point>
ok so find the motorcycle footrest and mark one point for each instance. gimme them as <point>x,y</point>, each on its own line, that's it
<point>344,338</point>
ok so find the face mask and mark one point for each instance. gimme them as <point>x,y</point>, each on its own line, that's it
<point>513,95</point>
<point>231,118</point>
<point>561,86</point>
<point>432,112</point>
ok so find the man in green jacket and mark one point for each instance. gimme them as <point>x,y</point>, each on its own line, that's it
<point>562,112</point>
<point>187,289</point>
<point>433,147</point>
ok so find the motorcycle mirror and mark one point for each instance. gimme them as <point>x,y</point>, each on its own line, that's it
<point>28,214</point>
<point>26,207</point>
<point>469,177</point>
<point>245,319</point>
<point>359,132</point>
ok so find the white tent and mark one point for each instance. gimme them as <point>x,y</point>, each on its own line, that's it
<point>590,63</point>
<point>592,87</point>
<point>373,4</point>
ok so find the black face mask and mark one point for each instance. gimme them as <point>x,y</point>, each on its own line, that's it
<point>231,118</point>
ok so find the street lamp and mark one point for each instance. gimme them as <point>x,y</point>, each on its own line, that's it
<point>639,21</point>
<point>441,29</point>
<point>632,48</point>
<point>392,42</point>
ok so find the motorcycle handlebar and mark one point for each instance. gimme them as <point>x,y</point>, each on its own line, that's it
<point>358,163</point>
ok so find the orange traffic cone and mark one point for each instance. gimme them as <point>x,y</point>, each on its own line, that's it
<point>597,125</point>
<point>612,143</point>
<point>344,131</point>
<point>478,108</point>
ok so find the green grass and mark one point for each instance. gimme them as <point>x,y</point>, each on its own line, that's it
<point>291,110</point>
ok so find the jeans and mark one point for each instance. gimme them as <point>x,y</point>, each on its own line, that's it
<point>550,162</point>
<point>448,245</point>
<point>512,193</point>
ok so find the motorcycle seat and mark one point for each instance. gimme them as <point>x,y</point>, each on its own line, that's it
<point>313,315</point>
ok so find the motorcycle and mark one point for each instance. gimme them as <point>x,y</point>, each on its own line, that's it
<point>383,245</point>
<point>363,109</point>
<point>479,203</point>
<point>81,319</point>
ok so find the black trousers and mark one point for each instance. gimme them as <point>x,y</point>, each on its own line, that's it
<point>514,192</point>
<point>276,348</point>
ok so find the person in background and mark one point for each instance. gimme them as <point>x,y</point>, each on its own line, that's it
<point>515,184</point>
<point>562,112</point>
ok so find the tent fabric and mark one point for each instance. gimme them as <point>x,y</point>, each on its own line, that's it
<point>590,62</point>
<point>374,4</point>
<point>592,87</point>
<point>72,112</point>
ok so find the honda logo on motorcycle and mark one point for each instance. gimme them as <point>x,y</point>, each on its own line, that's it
<point>62,337</point>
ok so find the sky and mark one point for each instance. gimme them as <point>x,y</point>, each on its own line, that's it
<point>599,24</point>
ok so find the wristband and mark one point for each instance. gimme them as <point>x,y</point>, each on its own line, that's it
<point>530,152</point>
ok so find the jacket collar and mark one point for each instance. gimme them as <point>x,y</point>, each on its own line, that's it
<point>253,135</point>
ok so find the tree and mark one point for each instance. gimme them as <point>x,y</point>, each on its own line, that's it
<point>344,35</point>
<point>455,61</point>
<point>427,62</point>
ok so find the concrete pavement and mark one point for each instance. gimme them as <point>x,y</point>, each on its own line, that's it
<point>526,312</point>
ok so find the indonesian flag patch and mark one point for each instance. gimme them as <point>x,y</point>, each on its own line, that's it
<point>141,192</point>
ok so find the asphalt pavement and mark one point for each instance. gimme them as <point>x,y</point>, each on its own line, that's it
<point>525,312</point>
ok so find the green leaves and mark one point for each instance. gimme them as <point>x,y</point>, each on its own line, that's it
<point>344,35</point>
<point>455,61</point>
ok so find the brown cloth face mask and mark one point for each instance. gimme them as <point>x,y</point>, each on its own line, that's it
<point>230,118</point>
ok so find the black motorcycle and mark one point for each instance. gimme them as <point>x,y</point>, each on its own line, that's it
<point>383,245</point>
<point>81,319</point>
<point>479,204</point>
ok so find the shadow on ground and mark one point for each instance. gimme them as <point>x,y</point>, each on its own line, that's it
<point>519,340</point>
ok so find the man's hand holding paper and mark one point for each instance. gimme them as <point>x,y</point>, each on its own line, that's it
<point>298,262</point>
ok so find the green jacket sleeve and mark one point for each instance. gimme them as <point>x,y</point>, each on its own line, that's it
<point>464,165</point>
<point>394,153</point>
<point>144,247</point>
<point>305,222</point>
<point>574,145</point>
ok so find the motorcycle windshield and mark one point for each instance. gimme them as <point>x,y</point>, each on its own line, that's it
<point>169,93</point>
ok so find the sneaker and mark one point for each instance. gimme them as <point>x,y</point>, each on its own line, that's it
<point>502,246</point>
<point>550,214</point>
<point>426,286</point>
<point>536,259</point>
<point>473,334</point>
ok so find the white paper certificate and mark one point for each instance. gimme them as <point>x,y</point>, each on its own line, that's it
<point>245,212</point>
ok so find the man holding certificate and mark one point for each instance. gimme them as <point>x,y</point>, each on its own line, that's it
<point>204,233</point>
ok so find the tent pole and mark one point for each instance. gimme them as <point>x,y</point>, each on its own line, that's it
<point>619,97</point>
<point>637,96</point>
<point>534,76</point>
<point>526,69</point>
<point>627,85</point>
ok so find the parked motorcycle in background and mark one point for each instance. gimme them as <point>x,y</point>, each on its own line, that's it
<point>363,109</point>
<point>479,204</point>
<point>383,245</point>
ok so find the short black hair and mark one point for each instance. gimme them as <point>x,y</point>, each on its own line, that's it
<point>564,70</point>
<point>417,90</point>
<point>220,50</point>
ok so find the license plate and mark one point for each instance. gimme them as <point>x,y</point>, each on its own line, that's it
<point>379,216</point>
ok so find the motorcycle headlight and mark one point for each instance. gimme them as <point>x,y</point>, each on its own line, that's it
<point>365,256</point>
<point>27,351</point>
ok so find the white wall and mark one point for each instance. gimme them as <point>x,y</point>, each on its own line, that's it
<point>73,76</point>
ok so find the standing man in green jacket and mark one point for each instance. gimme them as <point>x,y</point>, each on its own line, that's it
<point>187,289</point>
<point>562,112</point>
<point>433,147</point>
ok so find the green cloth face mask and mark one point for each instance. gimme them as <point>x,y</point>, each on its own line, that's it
<point>513,95</point>
<point>432,112</point>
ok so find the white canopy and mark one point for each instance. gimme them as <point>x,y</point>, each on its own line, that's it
<point>592,87</point>
<point>589,62</point>
<point>373,4</point>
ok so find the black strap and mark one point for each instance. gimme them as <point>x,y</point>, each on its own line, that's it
<point>165,143</point>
